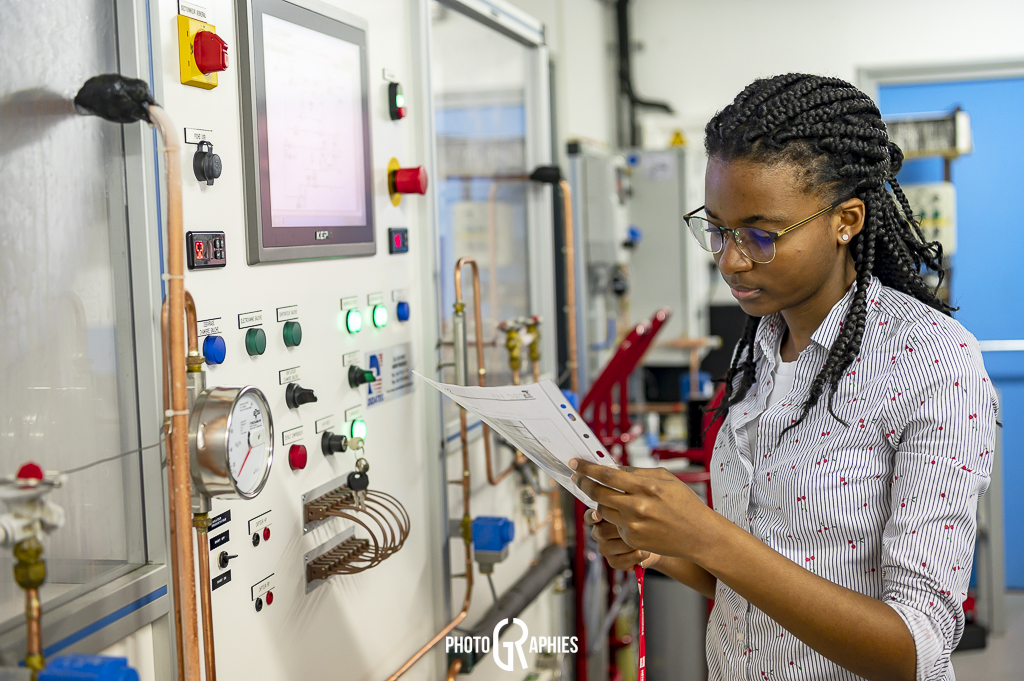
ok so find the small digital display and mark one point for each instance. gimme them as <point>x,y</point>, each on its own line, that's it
<point>306,114</point>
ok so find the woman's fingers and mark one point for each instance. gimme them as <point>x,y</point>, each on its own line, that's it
<point>592,517</point>
<point>609,477</point>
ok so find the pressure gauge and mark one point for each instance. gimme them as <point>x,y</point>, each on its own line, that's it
<point>231,440</point>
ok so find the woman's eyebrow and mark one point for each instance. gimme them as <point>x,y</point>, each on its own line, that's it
<point>752,219</point>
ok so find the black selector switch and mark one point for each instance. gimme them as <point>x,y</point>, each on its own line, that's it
<point>333,444</point>
<point>295,396</point>
<point>205,250</point>
<point>206,164</point>
<point>357,376</point>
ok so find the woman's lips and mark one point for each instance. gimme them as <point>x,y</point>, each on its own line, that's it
<point>745,294</point>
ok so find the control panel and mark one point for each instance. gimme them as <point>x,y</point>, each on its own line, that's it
<point>317,184</point>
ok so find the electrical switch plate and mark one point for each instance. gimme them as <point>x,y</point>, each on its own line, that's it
<point>190,73</point>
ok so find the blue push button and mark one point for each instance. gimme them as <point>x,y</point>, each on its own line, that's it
<point>214,349</point>
<point>403,311</point>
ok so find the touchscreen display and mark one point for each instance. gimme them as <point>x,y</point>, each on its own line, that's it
<point>314,127</point>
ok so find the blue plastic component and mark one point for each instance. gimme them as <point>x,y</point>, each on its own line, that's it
<point>403,311</point>
<point>214,349</point>
<point>705,386</point>
<point>634,235</point>
<point>88,668</point>
<point>573,398</point>
<point>492,533</point>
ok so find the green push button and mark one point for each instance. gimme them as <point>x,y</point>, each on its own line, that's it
<point>380,316</point>
<point>255,341</point>
<point>358,428</point>
<point>292,334</point>
<point>353,321</point>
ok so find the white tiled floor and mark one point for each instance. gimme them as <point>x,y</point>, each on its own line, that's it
<point>1003,658</point>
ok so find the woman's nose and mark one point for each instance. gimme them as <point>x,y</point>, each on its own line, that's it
<point>731,259</point>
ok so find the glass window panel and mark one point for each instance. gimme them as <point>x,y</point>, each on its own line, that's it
<point>62,190</point>
<point>478,79</point>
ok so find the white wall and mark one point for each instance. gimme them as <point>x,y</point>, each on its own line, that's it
<point>579,37</point>
<point>698,55</point>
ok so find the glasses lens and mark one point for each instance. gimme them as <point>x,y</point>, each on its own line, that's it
<point>709,236</point>
<point>757,244</point>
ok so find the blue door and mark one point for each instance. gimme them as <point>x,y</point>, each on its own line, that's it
<point>987,282</point>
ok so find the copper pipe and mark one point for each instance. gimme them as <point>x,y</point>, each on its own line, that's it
<point>171,505</point>
<point>466,538</point>
<point>201,521</point>
<point>453,669</point>
<point>33,621</point>
<point>481,366</point>
<point>194,361</point>
<point>178,473</point>
<point>570,289</point>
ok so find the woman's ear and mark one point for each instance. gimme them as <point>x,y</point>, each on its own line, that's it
<point>851,220</point>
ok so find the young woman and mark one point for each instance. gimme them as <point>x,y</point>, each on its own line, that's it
<point>859,420</point>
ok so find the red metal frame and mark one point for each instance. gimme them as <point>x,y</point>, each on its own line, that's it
<point>613,427</point>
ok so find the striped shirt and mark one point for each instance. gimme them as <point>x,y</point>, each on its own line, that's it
<point>886,506</point>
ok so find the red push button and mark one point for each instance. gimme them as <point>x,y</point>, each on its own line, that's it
<point>410,180</point>
<point>211,52</point>
<point>297,457</point>
<point>270,598</point>
<point>266,534</point>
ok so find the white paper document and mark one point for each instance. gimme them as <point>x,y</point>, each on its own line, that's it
<point>539,422</point>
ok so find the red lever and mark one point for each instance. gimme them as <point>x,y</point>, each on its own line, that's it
<point>410,180</point>
<point>211,52</point>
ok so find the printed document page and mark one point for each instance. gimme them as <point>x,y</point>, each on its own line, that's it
<point>539,422</point>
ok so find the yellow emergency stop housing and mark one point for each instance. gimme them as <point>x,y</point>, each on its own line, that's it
<point>190,73</point>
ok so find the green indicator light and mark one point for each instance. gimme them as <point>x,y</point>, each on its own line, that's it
<point>358,429</point>
<point>400,99</point>
<point>380,316</point>
<point>353,321</point>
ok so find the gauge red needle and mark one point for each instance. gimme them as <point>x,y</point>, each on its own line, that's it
<point>245,459</point>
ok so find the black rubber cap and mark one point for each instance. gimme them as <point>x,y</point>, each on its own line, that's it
<point>115,98</point>
<point>547,174</point>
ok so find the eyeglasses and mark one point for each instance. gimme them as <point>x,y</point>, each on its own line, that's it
<point>756,244</point>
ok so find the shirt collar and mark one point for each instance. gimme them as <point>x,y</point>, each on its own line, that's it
<point>771,328</point>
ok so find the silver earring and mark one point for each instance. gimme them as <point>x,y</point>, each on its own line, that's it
<point>846,237</point>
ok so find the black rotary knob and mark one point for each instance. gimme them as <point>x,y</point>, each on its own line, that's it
<point>333,444</point>
<point>206,164</point>
<point>295,396</point>
<point>357,376</point>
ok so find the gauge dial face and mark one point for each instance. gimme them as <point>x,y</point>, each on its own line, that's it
<point>249,445</point>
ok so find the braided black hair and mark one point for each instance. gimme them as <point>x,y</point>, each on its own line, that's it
<point>834,133</point>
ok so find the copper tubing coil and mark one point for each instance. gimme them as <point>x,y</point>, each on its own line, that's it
<point>481,366</point>
<point>338,561</point>
<point>178,473</point>
<point>377,506</point>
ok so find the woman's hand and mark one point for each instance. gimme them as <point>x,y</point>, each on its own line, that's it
<point>620,555</point>
<point>653,512</point>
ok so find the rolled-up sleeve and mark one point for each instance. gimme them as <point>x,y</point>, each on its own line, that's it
<point>942,426</point>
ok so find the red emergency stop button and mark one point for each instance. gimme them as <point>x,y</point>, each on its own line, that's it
<point>297,457</point>
<point>410,180</point>
<point>211,52</point>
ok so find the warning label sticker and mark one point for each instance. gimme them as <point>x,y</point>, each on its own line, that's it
<point>392,369</point>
